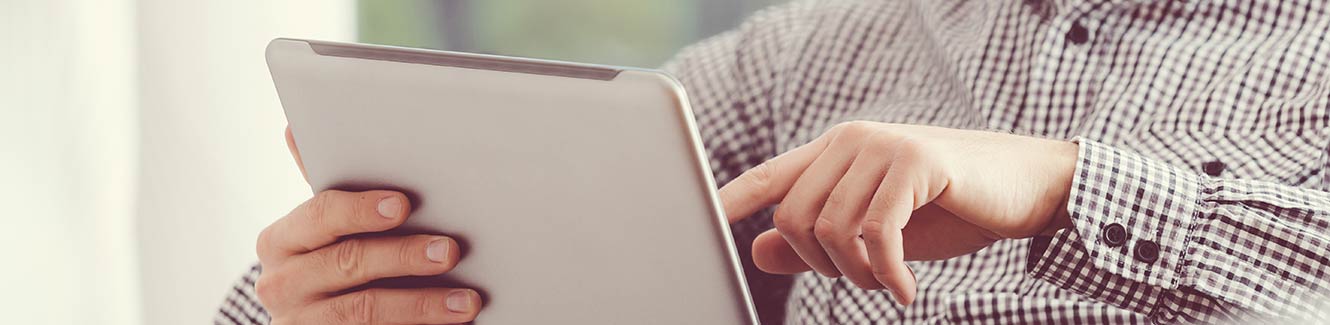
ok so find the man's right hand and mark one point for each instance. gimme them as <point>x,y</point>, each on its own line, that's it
<point>313,272</point>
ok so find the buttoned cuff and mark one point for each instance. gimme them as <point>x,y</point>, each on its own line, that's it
<point>1131,217</point>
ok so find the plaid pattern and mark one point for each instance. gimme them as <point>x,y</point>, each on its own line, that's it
<point>1227,247</point>
<point>1204,129</point>
<point>242,303</point>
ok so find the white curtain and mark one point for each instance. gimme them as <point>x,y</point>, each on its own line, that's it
<point>140,152</point>
<point>69,162</point>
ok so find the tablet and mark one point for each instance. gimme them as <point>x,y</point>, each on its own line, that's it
<point>580,194</point>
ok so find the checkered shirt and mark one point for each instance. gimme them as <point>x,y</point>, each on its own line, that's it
<point>1199,194</point>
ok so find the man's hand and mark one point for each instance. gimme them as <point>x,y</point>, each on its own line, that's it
<point>313,272</point>
<point>865,197</point>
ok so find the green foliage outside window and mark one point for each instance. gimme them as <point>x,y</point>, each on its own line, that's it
<point>621,32</point>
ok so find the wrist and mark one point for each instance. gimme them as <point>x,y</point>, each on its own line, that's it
<point>1060,219</point>
<point>1064,158</point>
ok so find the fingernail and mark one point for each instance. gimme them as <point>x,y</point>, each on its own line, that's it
<point>390,207</point>
<point>897,292</point>
<point>437,250</point>
<point>896,296</point>
<point>459,301</point>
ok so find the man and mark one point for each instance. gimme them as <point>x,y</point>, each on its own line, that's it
<point>1037,161</point>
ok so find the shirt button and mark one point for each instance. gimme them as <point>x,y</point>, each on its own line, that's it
<point>1147,251</point>
<point>1114,235</point>
<point>1213,168</point>
<point>1078,34</point>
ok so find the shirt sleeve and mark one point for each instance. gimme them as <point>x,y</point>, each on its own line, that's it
<point>241,306</point>
<point>1184,247</point>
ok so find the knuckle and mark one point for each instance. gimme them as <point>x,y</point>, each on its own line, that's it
<point>347,257</point>
<point>880,143</point>
<point>352,210</point>
<point>850,126</point>
<point>836,129</point>
<point>826,230</point>
<point>909,148</point>
<point>884,136</point>
<point>317,207</point>
<point>789,223</point>
<point>268,288</point>
<point>761,176</point>
<point>263,244</point>
<point>759,179</point>
<point>410,250</point>
<point>873,229</point>
<point>357,309</point>
<point>362,209</point>
<point>850,130</point>
<point>857,128</point>
<point>427,307</point>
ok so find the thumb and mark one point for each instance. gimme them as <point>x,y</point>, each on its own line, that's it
<point>295,152</point>
<point>772,254</point>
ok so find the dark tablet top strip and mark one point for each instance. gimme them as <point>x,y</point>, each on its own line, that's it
<point>465,60</point>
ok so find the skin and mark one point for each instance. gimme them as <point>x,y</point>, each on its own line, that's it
<point>857,202</point>
<point>865,197</point>
<point>313,272</point>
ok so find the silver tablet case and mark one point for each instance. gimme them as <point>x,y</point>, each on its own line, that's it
<point>580,194</point>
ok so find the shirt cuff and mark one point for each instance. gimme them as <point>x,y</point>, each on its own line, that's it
<point>1131,217</point>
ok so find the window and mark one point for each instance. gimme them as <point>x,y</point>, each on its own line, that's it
<point>641,33</point>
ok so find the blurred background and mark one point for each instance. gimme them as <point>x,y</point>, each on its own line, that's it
<point>141,141</point>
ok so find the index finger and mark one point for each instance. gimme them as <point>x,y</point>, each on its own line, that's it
<point>767,183</point>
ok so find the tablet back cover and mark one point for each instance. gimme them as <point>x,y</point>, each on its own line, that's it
<point>579,194</point>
